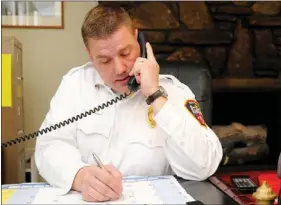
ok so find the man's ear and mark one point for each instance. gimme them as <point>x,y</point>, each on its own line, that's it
<point>89,54</point>
<point>136,33</point>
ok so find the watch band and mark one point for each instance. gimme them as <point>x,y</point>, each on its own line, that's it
<point>150,99</point>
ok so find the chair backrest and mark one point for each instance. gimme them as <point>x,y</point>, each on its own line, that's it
<point>197,77</point>
<point>279,175</point>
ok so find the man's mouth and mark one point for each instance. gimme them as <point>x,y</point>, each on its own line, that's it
<point>123,81</point>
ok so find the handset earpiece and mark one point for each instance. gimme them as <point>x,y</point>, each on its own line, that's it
<point>132,82</point>
<point>142,42</point>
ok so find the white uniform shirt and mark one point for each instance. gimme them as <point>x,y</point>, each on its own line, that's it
<point>121,135</point>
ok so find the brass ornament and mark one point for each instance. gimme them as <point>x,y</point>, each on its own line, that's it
<point>264,195</point>
<point>150,118</point>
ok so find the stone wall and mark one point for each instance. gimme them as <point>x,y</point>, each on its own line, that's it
<point>241,44</point>
<point>236,39</point>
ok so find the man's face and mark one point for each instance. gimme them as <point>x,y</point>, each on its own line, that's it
<point>114,57</point>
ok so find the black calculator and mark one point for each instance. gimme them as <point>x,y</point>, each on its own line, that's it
<point>244,184</point>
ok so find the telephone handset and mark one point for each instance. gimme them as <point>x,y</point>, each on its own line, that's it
<point>132,82</point>
<point>132,85</point>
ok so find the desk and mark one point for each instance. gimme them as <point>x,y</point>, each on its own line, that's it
<point>206,192</point>
<point>202,191</point>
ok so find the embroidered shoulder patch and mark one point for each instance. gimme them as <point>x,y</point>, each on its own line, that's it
<point>193,107</point>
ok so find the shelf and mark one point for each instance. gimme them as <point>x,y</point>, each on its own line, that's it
<point>246,84</point>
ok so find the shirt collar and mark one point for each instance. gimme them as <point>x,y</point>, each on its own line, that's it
<point>97,80</point>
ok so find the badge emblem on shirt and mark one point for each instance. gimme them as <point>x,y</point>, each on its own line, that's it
<point>150,118</point>
<point>194,108</point>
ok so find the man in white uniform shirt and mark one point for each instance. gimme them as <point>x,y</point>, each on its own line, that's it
<point>131,137</point>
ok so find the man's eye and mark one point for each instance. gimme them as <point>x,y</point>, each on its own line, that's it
<point>105,61</point>
<point>125,54</point>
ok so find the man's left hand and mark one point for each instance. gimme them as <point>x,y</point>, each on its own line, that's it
<point>146,71</point>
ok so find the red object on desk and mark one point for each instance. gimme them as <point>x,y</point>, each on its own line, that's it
<point>223,182</point>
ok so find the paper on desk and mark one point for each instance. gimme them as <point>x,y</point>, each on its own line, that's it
<point>134,192</point>
<point>6,194</point>
<point>47,196</point>
<point>140,194</point>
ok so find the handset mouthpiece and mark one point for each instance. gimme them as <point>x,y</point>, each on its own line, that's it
<point>133,84</point>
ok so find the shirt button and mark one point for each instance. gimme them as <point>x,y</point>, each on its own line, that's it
<point>150,142</point>
<point>182,144</point>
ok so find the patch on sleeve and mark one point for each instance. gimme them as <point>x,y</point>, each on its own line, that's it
<point>193,107</point>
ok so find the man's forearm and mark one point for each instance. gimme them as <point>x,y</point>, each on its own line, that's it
<point>188,140</point>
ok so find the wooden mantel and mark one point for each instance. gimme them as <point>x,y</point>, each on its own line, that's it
<point>246,84</point>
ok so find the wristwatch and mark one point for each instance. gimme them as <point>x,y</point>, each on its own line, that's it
<point>160,92</point>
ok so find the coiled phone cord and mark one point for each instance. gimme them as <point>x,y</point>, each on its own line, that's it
<point>63,123</point>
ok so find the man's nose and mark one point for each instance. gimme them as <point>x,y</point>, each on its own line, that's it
<point>120,66</point>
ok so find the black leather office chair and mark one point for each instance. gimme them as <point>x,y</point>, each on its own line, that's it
<point>197,77</point>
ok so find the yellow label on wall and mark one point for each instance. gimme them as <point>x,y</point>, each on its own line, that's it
<point>6,195</point>
<point>6,80</point>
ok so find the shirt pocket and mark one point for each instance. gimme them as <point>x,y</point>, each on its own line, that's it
<point>145,155</point>
<point>93,135</point>
<point>144,135</point>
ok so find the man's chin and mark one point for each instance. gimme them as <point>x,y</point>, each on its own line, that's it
<point>121,90</point>
<point>125,90</point>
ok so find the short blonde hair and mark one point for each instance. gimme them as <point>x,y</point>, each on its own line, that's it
<point>103,20</point>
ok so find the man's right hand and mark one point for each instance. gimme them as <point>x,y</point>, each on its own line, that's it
<point>96,184</point>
